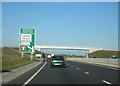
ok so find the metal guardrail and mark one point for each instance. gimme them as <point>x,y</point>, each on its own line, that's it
<point>102,61</point>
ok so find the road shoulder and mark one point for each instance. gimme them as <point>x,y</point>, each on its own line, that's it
<point>13,74</point>
<point>110,66</point>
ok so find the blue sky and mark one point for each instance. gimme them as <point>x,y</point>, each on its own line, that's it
<point>89,24</point>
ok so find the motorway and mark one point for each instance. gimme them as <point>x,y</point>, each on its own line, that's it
<point>73,73</point>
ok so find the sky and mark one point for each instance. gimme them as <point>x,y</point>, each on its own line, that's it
<point>60,0</point>
<point>82,24</point>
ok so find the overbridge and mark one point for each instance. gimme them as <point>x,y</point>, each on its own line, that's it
<point>90,50</point>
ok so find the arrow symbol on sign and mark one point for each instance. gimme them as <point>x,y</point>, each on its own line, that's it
<point>30,48</point>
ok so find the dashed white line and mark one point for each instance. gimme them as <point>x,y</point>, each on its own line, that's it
<point>34,75</point>
<point>106,82</point>
<point>72,66</point>
<point>87,73</point>
<point>77,68</point>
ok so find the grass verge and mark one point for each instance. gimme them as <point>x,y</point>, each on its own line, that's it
<point>11,59</point>
<point>9,63</point>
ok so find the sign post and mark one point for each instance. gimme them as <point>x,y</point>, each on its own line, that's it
<point>27,41</point>
<point>22,54</point>
<point>31,56</point>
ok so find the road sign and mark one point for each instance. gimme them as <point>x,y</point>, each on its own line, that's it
<point>27,40</point>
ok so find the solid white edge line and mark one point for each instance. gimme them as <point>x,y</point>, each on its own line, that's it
<point>106,82</point>
<point>34,75</point>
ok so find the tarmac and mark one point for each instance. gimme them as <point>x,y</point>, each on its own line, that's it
<point>9,76</point>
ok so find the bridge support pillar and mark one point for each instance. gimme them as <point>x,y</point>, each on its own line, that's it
<point>40,50</point>
<point>87,56</point>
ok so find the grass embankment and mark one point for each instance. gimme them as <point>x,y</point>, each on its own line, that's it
<point>11,59</point>
<point>105,54</point>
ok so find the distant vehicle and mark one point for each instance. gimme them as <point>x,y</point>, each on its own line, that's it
<point>57,61</point>
<point>38,55</point>
<point>49,56</point>
<point>52,54</point>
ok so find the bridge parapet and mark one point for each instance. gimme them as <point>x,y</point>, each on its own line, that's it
<point>38,47</point>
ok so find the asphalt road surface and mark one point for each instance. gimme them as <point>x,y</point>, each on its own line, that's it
<point>73,73</point>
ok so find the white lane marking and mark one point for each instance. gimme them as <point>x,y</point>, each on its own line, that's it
<point>68,64</point>
<point>106,82</point>
<point>72,66</point>
<point>87,73</point>
<point>34,75</point>
<point>77,68</point>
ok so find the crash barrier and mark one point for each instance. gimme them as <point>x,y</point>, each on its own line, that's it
<point>102,61</point>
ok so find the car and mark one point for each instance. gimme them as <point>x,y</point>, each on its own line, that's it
<point>57,61</point>
<point>49,56</point>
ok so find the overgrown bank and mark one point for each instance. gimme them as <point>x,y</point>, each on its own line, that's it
<point>11,59</point>
<point>105,54</point>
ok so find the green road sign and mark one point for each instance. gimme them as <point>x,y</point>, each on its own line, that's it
<point>27,40</point>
